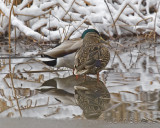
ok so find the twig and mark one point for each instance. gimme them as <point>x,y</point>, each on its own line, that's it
<point>137,12</point>
<point>69,9</point>
<point>132,8</point>
<point>10,69</point>
<point>155,23</point>
<point>118,57</point>
<point>138,58</point>
<point>111,15</point>
<point>6,82</point>
<point>144,20</point>
<point>119,14</point>
<point>76,28</point>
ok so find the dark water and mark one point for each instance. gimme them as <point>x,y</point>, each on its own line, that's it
<point>128,90</point>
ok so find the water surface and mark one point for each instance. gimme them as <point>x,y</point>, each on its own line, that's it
<point>128,89</point>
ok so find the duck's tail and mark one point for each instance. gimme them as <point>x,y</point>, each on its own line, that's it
<point>51,63</point>
<point>48,60</point>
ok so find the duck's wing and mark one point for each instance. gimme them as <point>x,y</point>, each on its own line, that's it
<point>67,47</point>
<point>79,62</point>
<point>91,59</point>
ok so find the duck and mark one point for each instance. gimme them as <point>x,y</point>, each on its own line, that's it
<point>62,88</point>
<point>63,54</point>
<point>65,83</point>
<point>92,97</point>
<point>93,55</point>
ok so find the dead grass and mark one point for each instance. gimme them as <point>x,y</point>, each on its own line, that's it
<point>118,23</point>
<point>15,74</point>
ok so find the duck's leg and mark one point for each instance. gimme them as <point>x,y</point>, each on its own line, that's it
<point>97,76</point>
<point>76,77</point>
<point>84,77</point>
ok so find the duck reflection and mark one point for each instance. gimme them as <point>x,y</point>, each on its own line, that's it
<point>90,95</point>
<point>66,83</point>
<point>62,88</point>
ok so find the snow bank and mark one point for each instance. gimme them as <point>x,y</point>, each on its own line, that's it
<point>63,19</point>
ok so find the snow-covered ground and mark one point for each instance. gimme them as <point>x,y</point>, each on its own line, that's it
<point>134,83</point>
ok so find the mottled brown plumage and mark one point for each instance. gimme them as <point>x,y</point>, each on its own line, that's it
<point>93,56</point>
<point>92,97</point>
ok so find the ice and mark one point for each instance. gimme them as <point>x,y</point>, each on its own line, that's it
<point>50,20</point>
<point>1,30</point>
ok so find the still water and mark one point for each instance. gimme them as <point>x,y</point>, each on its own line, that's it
<point>128,90</point>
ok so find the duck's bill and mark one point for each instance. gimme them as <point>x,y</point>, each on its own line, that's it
<point>79,72</point>
<point>103,41</point>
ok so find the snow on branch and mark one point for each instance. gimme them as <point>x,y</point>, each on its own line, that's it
<point>65,19</point>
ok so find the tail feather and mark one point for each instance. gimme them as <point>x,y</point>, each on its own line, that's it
<point>46,56</point>
<point>50,62</point>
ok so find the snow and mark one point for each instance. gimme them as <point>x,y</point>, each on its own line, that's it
<point>49,20</point>
<point>19,24</point>
<point>64,15</point>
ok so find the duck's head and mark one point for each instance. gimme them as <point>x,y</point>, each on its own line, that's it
<point>88,31</point>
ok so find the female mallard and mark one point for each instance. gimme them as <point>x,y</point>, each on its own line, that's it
<point>92,97</point>
<point>93,55</point>
<point>62,55</point>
